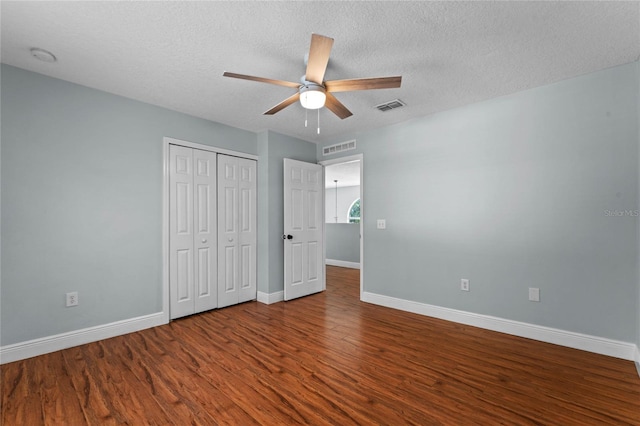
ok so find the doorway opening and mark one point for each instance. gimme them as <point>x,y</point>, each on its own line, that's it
<point>345,213</point>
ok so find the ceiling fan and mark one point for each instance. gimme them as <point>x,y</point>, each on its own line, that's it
<point>313,92</point>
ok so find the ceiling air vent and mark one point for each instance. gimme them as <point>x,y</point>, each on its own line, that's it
<point>339,147</point>
<point>388,106</point>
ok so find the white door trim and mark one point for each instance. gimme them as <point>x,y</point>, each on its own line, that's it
<point>202,147</point>
<point>359,157</point>
<point>166,141</point>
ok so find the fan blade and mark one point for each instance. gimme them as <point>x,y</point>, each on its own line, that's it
<point>336,107</point>
<point>363,84</point>
<point>282,105</point>
<point>318,58</point>
<point>262,80</point>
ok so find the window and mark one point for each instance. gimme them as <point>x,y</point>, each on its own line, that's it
<point>354,212</point>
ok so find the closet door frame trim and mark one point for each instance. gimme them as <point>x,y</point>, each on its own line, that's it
<point>166,141</point>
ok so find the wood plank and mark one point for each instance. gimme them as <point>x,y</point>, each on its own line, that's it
<point>21,394</point>
<point>99,406</point>
<point>59,403</point>
<point>137,405</point>
<point>170,380</point>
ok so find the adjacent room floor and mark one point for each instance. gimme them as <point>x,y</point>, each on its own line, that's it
<point>322,359</point>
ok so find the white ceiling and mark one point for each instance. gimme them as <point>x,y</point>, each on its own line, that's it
<point>347,174</point>
<point>173,54</point>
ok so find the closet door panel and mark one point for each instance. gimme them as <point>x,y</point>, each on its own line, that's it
<point>181,249</point>
<point>227,230</point>
<point>247,232</point>
<point>205,230</point>
<point>212,237</point>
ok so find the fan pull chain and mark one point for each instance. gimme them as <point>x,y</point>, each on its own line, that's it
<point>306,115</point>
<point>318,120</point>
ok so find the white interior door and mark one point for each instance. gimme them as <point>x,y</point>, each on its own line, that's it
<point>303,229</point>
<point>237,230</point>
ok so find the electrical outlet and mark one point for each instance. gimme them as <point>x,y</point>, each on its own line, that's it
<point>72,299</point>
<point>464,284</point>
<point>382,224</point>
<point>534,294</point>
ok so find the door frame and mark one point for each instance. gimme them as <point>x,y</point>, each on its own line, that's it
<point>166,141</point>
<point>346,159</point>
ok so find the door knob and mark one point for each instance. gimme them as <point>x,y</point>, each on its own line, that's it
<point>230,240</point>
<point>204,241</point>
<point>287,237</point>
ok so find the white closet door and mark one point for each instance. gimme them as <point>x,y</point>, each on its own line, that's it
<point>227,230</point>
<point>193,233</point>
<point>205,230</point>
<point>236,230</point>
<point>181,231</point>
<point>247,232</point>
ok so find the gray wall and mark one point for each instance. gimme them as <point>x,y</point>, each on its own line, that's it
<point>346,196</point>
<point>82,202</point>
<point>509,193</point>
<point>342,241</point>
<point>273,148</point>
<point>513,193</point>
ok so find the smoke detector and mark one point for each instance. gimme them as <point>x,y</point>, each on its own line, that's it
<point>43,55</point>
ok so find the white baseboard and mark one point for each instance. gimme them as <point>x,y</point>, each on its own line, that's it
<point>343,263</point>
<point>269,298</point>
<point>637,360</point>
<point>45,345</point>
<point>570,339</point>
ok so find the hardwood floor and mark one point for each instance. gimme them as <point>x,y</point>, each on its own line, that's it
<point>322,359</point>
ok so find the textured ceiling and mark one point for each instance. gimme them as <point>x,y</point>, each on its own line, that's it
<point>450,54</point>
<point>347,174</point>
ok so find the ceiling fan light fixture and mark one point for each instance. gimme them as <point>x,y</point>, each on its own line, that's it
<point>313,89</point>
<point>312,96</point>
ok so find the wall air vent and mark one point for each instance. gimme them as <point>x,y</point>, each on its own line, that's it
<point>388,106</point>
<point>339,147</point>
